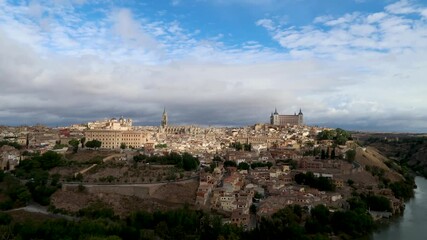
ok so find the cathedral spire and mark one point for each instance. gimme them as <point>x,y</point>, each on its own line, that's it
<point>164,118</point>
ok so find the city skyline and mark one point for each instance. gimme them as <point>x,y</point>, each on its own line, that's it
<point>357,65</point>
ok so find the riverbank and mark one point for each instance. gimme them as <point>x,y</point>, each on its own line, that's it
<point>412,225</point>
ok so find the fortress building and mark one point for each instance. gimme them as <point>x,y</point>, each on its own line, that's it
<point>285,120</point>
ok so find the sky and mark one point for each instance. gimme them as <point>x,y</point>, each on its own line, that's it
<point>354,64</point>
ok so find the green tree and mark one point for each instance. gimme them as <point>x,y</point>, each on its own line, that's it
<point>252,209</point>
<point>243,166</point>
<point>350,155</point>
<point>326,135</point>
<point>82,141</point>
<point>402,189</point>
<point>139,158</point>
<point>323,154</point>
<point>378,203</point>
<point>93,144</point>
<point>217,158</point>
<point>230,164</point>
<point>5,218</point>
<point>247,147</point>
<point>352,223</point>
<point>75,144</point>
<point>122,145</point>
<point>49,160</point>
<point>237,145</point>
<point>327,153</point>
<point>319,221</point>
<point>189,162</point>
<point>333,153</point>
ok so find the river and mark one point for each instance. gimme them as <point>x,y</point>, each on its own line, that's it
<point>413,224</point>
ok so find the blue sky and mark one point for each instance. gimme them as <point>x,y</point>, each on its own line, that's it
<point>357,64</point>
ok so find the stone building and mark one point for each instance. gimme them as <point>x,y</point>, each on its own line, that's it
<point>9,158</point>
<point>170,129</point>
<point>112,139</point>
<point>284,120</point>
<point>111,124</point>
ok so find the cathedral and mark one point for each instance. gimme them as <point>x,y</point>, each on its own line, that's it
<point>285,120</point>
<point>165,128</point>
<point>164,119</point>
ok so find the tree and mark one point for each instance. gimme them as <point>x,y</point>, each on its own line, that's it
<point>353,223</point>
<point>82,141</point>
<point>27,140</point>
<point>123,145</point>
<point>333,154</point>
<point>321,183</point>
<point>93,144</point>
<point>237,145</point>
<point>253,209</point>
<point>247,147</point>
<point>217,158</point>
<point>230,164</point>
<point>378,203</point>
<point>5,218</point>
<point>327,153</point>
<point>402,189</point>
<point>319,221</point>
<point>75,144</point>
<point>189,162</point>
<point>342,136</point>
<point>350,155</point>
<point>300,178</point>
<point>47,160</point>
<point>326,135</point>
<point>323,154</point>
<point>243,166</point>
<point>139,158</point>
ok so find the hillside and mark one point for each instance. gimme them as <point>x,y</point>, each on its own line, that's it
<point>370,156</point>
<point>409,150</point>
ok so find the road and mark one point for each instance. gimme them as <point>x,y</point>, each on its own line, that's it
<point>36,208</point>
<point>187,180</point>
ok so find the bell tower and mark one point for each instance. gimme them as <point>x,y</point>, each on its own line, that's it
<point>300,118</point>
<point>164,118</point>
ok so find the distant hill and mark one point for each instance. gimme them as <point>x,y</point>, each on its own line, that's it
<point>408,149</point>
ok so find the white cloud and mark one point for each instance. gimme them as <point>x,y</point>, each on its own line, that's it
<point>347,18</point>
<point>401,7</point>
<point>266,23</point>
<point>130,30</point>
<point>175,2</point>
<point>358,68</point>
<point>35,9</point>
<point>323,19</point>
<point>377,51</point>
<point>375,17</point>
<point>250,2</point>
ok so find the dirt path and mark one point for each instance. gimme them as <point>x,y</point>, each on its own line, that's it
<point>36,208</point>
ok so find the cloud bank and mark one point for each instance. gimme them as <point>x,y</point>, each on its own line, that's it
<point>61,65</point>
